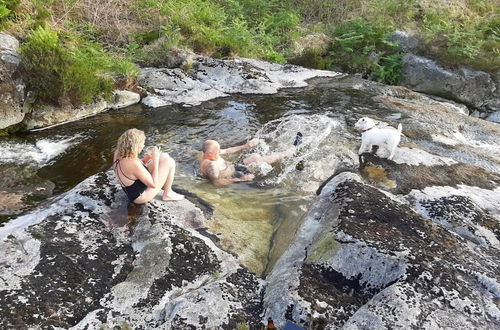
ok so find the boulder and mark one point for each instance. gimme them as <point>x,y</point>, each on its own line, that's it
<point>8,42</point>
<point>122,99</point>
<point>312,43</point>
<point>45,115</point>
<point>364,258</point>
<point>406,41</point>
<point>11,85</point>
<point>474,88</point>
<point>74,263</point>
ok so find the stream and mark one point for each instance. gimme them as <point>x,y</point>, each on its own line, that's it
<point>256,220</point>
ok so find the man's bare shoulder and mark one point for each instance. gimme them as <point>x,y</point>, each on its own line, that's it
<point>209,169</point>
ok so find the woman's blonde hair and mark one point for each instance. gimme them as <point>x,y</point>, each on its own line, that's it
<point>130,142</point>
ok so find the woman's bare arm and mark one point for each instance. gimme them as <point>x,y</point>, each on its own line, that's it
<point>149,179</point>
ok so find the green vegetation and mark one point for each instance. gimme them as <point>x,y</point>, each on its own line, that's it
<point>363,47</point>
<point>62,69</point>
<point>83,47</point>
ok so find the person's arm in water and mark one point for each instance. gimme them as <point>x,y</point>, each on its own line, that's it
<point>212,174</point>
<point>247,145</point>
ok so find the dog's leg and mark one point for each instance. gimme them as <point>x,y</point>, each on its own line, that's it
<point>393,150</point>
<point>363,148</point>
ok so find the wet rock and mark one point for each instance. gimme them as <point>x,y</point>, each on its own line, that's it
<point>68,265</point>
<point>474,88</point>
<point>210,78</point>
<point>122,99</point>
<point>20,188</point>
<point>408,175</point>
<point>363,258</point>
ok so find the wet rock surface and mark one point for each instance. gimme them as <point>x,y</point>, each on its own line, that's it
<point>20,188</point>
<point>210,78</point>
<point>70,265</point>
<point>408,243</point>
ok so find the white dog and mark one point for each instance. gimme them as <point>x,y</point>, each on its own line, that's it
<point>386,137</point>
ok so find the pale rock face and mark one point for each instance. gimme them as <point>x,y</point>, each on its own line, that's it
<point>11,86</point>
<point>210,78</point>
<point>122,99</point>
<point>8,42</point>
<point>48,115</point>
<point>406,41</point>
<point>162,274</point>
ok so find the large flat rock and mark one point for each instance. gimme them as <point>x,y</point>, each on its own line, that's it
<point>211,78</point>
<point>71,264</point>
<point>364,258</point>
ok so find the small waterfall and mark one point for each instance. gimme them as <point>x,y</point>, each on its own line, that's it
<point>40,153</point>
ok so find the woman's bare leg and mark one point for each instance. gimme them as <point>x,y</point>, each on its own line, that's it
<point>168,193</point>
<point>166,172</point>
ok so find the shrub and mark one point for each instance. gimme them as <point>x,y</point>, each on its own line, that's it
<point>468,36</point>
<point>6,8</point>
<point>73,71</point>
<point>362,47</point>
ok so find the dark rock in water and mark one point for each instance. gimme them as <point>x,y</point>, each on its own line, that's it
<point>20,187</point>
<point>364,258</point>
<point>407,177</point>
<point>68,265</point>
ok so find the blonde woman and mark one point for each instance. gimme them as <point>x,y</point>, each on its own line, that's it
<point>142,179</point>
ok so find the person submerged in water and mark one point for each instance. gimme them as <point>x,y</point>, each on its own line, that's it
<point>142,179</point>
<point>220,172</point>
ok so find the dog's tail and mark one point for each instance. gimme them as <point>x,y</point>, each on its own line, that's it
<point>400,128</point>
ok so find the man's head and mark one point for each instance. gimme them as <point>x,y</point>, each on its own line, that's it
<point>211,149</point>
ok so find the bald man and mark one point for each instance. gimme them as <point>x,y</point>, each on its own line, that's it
<point>221,172</point>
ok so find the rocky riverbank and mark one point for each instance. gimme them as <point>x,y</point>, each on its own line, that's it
<point>408,243</point>
<point>196,79</point>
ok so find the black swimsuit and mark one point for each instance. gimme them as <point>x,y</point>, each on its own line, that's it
<point>240,170</point>
<point>135,189</point>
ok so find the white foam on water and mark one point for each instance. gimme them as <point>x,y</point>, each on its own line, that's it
<point>42,152</point>
<point>457,138</point>
<point>277,136</point>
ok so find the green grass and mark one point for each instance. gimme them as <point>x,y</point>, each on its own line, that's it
<point>64,68</point>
